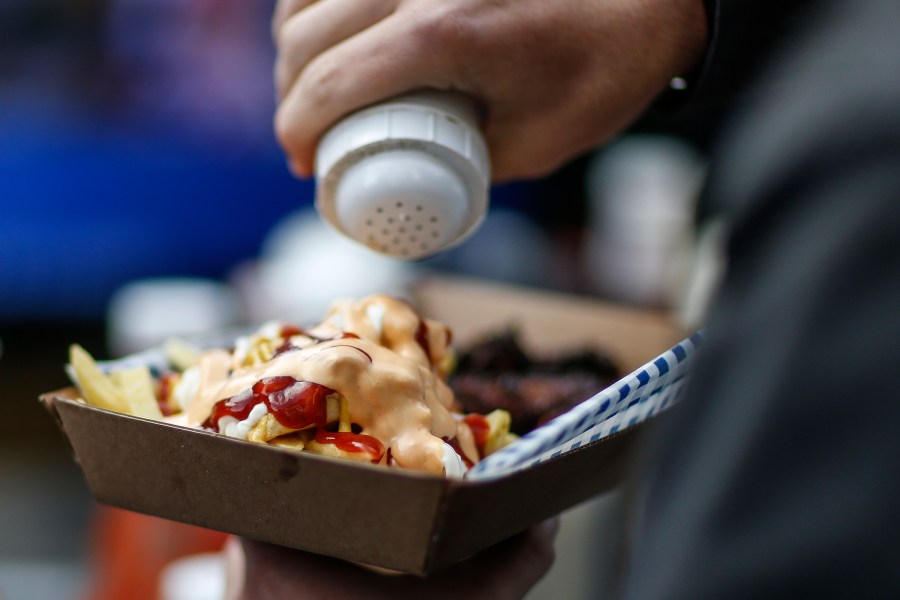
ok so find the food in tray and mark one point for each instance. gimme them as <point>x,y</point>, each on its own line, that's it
<point>369,383</point>
<point>497,372</point>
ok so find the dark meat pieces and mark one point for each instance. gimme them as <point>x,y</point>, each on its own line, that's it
<point>497,373</point>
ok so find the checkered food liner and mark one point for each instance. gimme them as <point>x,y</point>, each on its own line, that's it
<point>645,392</point>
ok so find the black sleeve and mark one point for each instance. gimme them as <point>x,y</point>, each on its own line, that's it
<point>742,36</point>
<point>779,474</point>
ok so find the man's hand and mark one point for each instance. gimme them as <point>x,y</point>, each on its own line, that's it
<point>552,78</point>
<point>505,571</point>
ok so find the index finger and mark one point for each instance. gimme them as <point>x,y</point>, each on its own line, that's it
<point>387,59</point>
<point>283,11</point>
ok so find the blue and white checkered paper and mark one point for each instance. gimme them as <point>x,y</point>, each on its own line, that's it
<point>633,399</point>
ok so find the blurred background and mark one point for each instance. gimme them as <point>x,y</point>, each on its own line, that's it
<point>142,194</point>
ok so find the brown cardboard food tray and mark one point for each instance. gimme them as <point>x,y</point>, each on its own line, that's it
<point>399,520</point>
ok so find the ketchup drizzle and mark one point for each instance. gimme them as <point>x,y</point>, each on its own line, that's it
<point>289,329</point>
<point>164,397</point>
<point>480,429</point>
<point>295,404</point>
<point>353,442</point>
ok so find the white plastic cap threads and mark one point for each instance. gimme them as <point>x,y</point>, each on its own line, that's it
<point>408,177</point>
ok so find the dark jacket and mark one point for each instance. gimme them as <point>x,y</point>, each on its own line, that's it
<point>779,474</point>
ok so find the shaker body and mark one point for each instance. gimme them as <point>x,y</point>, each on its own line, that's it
<point>408,177</point>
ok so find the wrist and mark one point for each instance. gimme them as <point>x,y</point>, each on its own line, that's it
<point>682,86</point>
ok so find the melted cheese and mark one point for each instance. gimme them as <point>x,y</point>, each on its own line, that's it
<point>393,387</point>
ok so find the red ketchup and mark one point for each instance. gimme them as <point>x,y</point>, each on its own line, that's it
<point>480,428</point>
<point>295,404</point>
<point>288,330</point>
<point>352,442</point>
<point>164,396</point>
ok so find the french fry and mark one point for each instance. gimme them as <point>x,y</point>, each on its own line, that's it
<point>180,353</point>
<point>498,435</point>
<point>344,419</point>
<point>93,383</point>
<point>448,363</point>
<point>334,451</point>
<point>262,352</point>
<point>268,428</point>
<point>254,351</point>
<point>136,387</point>
<point>294,441</point>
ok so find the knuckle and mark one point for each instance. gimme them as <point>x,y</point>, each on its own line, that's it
<point>282,77</point>
<point>285,35</point>
<point>319,75</point>
<point>443,30</point>
<point>318,82</point>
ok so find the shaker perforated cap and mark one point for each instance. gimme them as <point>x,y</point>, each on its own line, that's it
<point>408,178</point>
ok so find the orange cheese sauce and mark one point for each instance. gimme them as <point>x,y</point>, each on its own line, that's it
<point>390,375</point>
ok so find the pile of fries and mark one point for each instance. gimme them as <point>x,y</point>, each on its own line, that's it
<point>132,391</point>
<point>169,396</point>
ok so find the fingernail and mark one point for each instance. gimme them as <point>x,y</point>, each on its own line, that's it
<point>297,169</point>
